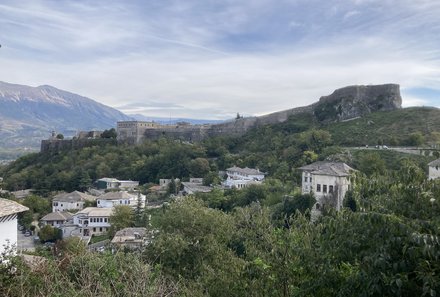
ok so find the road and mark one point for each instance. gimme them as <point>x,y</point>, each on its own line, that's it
<point>25,243</point>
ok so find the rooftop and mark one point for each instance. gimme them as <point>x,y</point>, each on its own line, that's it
<point>117,196</point>
<point>57,216</point>
<point>8,207</point>
<point>197,187</point>
<point>74,196</point>
<point>129,234</point>
<point>95,212</point>
<point>328,168</point>
<point>246,170</point>
<point>434,163</point>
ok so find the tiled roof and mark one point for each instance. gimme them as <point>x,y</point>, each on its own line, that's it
<point>129,234</point>
<point>328,168</point>
<point>95,212</point>
<point>246,170</point>
<point>57,216</point>
<point>197,187</point>
<point>8,207</point>
<point>434,163</point>
<point>74,196</point>
<point>117,196</point>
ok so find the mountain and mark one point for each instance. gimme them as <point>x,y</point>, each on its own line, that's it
<point>29,114</point>
<point>173,121</point>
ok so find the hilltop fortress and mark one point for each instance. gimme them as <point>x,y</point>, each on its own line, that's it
<point>343,104</point>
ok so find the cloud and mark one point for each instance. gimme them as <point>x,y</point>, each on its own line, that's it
<point>217,58</point>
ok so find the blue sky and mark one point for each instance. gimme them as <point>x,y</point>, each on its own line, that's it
<point>212,59</point>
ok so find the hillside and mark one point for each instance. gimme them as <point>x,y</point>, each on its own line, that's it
<point>28,114</point>
<point>391,128</point>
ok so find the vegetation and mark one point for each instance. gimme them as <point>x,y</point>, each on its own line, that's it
<point>261,240</point>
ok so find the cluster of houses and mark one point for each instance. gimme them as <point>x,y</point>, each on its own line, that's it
<point>326,180</point>
<point>70,214</point>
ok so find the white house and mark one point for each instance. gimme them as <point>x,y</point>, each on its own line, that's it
<point>434,169</point>
<point>327,181</point>
<point>111,199</point>
<point>93,220</point>
<point>242,177</point>
<point>70,201</point>
<point>57,219</point>
<point>113,183</point>
<point>8,223</point>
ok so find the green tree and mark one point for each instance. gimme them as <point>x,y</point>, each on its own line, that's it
<point>111,133</point>
<point>49,233</point>
<point>122,217</point>
<point>60,136</point>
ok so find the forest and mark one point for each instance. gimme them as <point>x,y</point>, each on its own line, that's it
<point>259,241</point>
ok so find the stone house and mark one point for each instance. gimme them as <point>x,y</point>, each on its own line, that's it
<point>111,199</point>
<point>131,238</point>
<point>92,220</point>
<point>57,219</point>
<point>328,181</point>
<point>9,211</point>
<point>70,201</point>
<point>242,177</point>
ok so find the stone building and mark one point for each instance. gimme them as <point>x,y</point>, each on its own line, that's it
<point>434,169</point>
<point>9,211</point>
<point>328,181</point>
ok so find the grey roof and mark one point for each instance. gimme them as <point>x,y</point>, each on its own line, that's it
<point>116,196</point>
<point>434,163</point>
<point>246,170</point>
<point>8,207</point>
<point>128,234</point>
<point>57,216</point>
<point>74,196</point>
<point>328,168</point>
<point>197,187</point>
<point>95,212</point>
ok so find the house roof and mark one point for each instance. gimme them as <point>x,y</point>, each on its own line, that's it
<point>117,196</point>
<point>434,163</point>
<point>8,207</point>
<point>108,180</point>
<point>74,196</point>
<point>197,187</point>
<point>57,216</point>
<point>129,234</point>
<point>95,212</point>
<point>246,170</point>
<point>328,168</point>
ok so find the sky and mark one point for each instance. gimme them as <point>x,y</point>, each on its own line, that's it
<point>214,59</point>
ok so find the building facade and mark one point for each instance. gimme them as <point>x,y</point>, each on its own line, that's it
<point>70,201</point>
<point>328,181</point>
<point>57,219</point>
<point>9,211</point>
<point>92,220</point>
<point>112,199</point>
<point>434,169</point>
<point>242,177</point>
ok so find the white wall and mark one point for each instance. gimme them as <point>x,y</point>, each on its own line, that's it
<point>434,172</point>
<point>8,231</point>
<point>64,206</point>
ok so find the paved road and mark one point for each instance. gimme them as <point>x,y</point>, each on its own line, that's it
<point>25,243</point>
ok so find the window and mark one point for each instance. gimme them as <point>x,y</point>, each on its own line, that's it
<point>100,229</point>
<point>100,220</point>
<point>94,229</point>
<point>55,204</point>
<point>324,188</point>
<point>305,178</point>
<point>330,189</point>
<point>318,188</point>
<point>105,220</point>
<point>99,201</point>
<point>310,178</point>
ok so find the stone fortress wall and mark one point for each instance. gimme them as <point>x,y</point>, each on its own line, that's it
<point>343,104</point>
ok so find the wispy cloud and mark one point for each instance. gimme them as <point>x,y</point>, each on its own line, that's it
<point>216,58</point>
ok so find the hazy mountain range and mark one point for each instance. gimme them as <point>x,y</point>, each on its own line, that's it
<point>29,114</point>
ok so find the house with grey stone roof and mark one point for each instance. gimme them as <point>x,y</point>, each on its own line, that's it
<point>111,199</point>
<point>131,238</point>
<point>70,201</point>
<point>57,219</point>
<point>242,177</point>
<point>9,211</point>
<point>434,169</point>
<point>328,181</point>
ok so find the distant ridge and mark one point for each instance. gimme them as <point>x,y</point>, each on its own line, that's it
<point>28,114</point>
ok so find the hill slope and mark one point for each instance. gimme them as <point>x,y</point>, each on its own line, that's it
<point>28,114</point>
